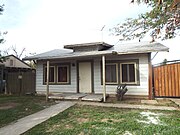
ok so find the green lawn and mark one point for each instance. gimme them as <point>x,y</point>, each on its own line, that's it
<point>15,107</point>
<point>90,120</point>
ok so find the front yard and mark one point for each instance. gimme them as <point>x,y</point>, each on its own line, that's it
<point>15,107</point>
<point>90,120</point>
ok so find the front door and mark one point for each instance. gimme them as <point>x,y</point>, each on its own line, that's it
<point>85,77</point>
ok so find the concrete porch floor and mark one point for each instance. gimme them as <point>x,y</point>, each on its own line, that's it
<point>77,96</point>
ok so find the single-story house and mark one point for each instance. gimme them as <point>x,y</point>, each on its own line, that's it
<point>97,67</point>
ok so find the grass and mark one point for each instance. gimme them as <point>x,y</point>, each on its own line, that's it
<point>15,107</point>
<point>90,120</point>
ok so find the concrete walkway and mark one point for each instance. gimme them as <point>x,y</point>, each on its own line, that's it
<point>129,106</point>
<point>26,123</point>
<point>176,101</point>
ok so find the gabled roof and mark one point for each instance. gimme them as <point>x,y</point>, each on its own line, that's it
<point>119,49</point>
<point>14,62</point>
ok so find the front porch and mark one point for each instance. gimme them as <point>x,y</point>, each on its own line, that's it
<point>77,96</point>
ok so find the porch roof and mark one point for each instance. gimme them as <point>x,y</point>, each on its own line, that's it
<point>118,49</point>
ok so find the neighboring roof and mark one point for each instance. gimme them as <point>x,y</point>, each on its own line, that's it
<point>16,62</point>
<point>100,44</point>
<point>120,49</point>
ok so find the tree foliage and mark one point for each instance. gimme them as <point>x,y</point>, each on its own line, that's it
<point>2,33</point>
<point>163,21</point>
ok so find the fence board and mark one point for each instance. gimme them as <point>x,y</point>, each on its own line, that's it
<point>167,80</point>
<point>25,85</point>
<point>176,79</point>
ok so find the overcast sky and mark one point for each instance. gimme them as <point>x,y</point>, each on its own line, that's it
<point>42,25</point>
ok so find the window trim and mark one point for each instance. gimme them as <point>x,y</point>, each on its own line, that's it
<point>45,67</point>
<point>56,65</point>
<point>68,74</point>
<point>117,73</point>
<point>136,74</point>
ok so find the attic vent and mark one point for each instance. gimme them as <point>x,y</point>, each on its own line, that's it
<point>11,63</point>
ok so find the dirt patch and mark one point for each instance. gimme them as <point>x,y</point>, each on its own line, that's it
<point>54,127</point>
<point>67,126</point>
<point>166,102</point>
<point>111,120</point>
<point>5,106</point>
<point>82,120</point>
<point>125,100</point>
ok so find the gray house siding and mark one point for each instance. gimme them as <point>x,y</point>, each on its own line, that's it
<point>41,88</point>
<point>141,89</point>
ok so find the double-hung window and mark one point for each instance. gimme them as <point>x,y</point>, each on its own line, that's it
<point>128,73</point>
<point>111,73</point>
<point>63,74</point>
<point>51,74</point>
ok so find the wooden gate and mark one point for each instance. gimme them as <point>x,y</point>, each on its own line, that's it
<point>21,82</point>
<point>167,80</point>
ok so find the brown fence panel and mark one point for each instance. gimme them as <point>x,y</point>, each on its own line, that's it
<point>13,85</point>
<point>167,80</point>
<point>21,82</point>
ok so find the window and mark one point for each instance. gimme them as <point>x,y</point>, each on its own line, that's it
<point>128,73</point>
<point>51,74</point>
<point>111,73</point>
<point>58,74</point>
<point>63,74</point>
<point>11,63</point>
<point>122,72</point>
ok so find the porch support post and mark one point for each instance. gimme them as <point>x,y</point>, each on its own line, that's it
<point>47,81</point>
<point>103,77</point>
<point>150,78</point>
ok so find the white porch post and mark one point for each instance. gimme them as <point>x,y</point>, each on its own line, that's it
<point>47,81</point>
<point>104,80</point>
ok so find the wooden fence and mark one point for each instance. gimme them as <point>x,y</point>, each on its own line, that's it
<point>167,80</point>
<point>21,82</point>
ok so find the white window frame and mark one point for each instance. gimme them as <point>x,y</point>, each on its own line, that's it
<point>135,67</point>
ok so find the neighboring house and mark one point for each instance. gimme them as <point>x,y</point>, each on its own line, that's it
<point>12,61</point>
<point>13,73</point>
<point>78,68</point>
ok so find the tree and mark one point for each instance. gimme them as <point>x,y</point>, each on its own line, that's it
<point>13,50</point>
<point>163,21</point>
<point>1,34</point>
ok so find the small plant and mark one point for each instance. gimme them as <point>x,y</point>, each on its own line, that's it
<point>121,90</point>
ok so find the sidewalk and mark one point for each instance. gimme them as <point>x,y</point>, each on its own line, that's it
<point>26,123</point>
<point>176,101</point>
<point>129,106</point>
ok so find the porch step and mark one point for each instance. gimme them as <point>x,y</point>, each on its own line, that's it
<point>77,96</point>
<point>94,98</point>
